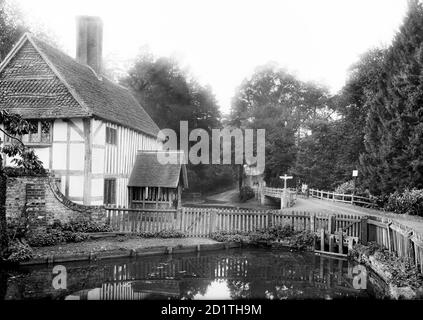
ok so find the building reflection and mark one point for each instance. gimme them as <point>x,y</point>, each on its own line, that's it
<point>228,275</point>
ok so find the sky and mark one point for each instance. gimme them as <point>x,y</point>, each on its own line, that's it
<point>221,42</point>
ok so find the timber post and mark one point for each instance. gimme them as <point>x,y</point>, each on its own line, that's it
<point>213,216</point>
<point>313,222</point>
<point>269,219</point>
<point>331,224</point>
<point>363,230</point>
<point>322,239</point>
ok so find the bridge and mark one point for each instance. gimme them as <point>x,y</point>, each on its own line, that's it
<point>286,197</point>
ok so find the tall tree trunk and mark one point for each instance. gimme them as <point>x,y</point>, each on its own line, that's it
<point>3,225</point>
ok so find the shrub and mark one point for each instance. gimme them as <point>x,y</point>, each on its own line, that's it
<point>408,202</point>
<point>228,236</point>
<point>19,251</point>
<point>70,236</point>
<point>301,240</point>
<point>45,237</point>
<point>246,193</point>
<point>348,188</point>
<point>282,232</point>
<point>86,226</point>
<point>162,234</point>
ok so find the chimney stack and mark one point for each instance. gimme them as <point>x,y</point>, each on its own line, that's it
<point>89,42</point>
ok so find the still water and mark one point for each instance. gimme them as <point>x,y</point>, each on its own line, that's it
<point>229,274</point>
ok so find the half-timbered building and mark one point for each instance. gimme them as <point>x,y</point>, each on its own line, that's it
<point>86,129</point>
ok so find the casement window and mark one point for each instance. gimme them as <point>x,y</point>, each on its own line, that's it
<point>40,132</point>
<point>109,191</point>
<point>111,136</point>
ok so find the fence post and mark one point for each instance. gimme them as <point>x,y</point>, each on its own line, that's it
<point>352,199</point>
<point>363,230</point>
<point>322,239</point>
<point>313,222</point>
<point>331,224</point>
<point>269,219</point>
<point>212,225</point>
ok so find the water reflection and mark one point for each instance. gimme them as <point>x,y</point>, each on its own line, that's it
<point>233,274</point>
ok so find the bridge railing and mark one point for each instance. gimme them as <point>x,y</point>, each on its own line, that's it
<point>291,194</point>
<point>344,198</point>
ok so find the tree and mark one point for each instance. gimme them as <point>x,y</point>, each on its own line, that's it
<point>275,100</point>
<point>14,127</point>
<point>169,95</point>
<point>11,27</point>
<point>394,129</point>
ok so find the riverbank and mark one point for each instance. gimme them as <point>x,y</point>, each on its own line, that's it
<point>117,247</point>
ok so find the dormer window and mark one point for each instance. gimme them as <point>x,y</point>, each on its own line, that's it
<point>111,136</point>
<point>40,133</point>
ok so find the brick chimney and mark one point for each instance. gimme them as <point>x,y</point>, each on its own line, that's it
<point>89,42</point>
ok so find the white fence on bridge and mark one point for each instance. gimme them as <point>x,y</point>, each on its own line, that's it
<point>344,198</point>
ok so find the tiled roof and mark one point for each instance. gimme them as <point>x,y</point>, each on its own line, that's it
<point>40,81</point>
<point>149,172</point>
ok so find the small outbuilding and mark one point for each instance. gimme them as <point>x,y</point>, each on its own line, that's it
<point>154,185</point>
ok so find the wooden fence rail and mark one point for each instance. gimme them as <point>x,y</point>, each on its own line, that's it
<point>341,197</point>
<point>200,222</point>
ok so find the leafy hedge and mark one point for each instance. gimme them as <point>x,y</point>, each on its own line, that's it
<point>297,239</point>
<point>162,234</point>
<point>408,202</point>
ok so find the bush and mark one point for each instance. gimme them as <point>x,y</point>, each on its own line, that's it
<point>162,234</point>
<point>45,237</point>
<point>408,202</point>
<point>281,232</point>
<point>301,240</point>
<point>19,251</point>
<point>246,194</point>
<point>229,236</point>
<point>85,226</point>
<point>70,236</point>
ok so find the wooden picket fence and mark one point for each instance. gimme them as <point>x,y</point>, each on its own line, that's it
<point>397,238</point>
<point>201,222</point>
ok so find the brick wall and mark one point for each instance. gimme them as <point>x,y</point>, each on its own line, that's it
<point>39,198</point>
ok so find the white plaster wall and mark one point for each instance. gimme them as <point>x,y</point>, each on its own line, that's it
<point>59,130</point>
<point>76,186</point>
<point>59,156</point>
<point>97,160</point>
<point>76,156</point>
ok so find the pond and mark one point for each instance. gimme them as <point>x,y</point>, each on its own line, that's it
<point>227,274</point>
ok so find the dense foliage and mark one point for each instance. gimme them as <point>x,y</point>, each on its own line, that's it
<point>400,270</point>
<point>393,160</point>
<point>407,202</point>
<point>299,240</point>
<point>170,95</point>
<point>274,100</point>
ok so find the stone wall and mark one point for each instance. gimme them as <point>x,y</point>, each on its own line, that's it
<point>40,200</point>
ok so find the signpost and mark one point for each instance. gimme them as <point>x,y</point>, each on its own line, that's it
<point>284,197</point>
<point>355,175</point>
